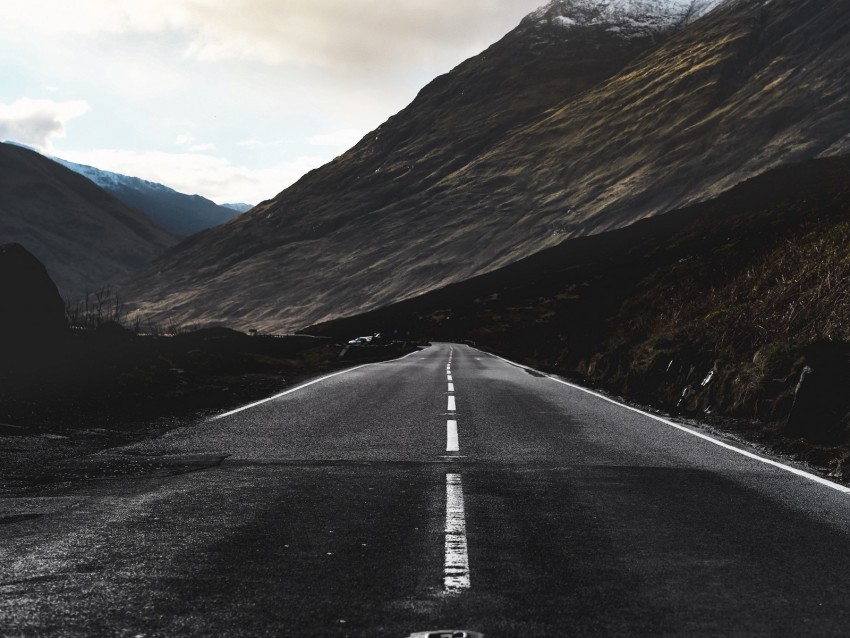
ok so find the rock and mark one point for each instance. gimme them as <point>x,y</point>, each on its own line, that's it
<point>32,310</point>
<point>821,403</point>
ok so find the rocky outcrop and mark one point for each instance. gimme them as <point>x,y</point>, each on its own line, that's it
<point>821,410</point>
<point>32,311</point>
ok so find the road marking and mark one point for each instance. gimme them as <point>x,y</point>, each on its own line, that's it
<point>304,385</point>
<point>451,387</point>
<point>456,572</point>
<point>787,468</point>
<point>452,407</point>
<point>449,377</point>
<point>452,443</point>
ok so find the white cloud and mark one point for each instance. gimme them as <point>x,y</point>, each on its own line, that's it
<point>196,172</point>
<point>183,139</point>
<point>37,122</point>
<point>88,17</point>
<point>202,148</point>
<point>350,34</point>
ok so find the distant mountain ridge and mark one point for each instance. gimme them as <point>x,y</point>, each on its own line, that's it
<point>85,237</point>
<point>561,129</point>
<point>239,207</point>
<point>178,213</point>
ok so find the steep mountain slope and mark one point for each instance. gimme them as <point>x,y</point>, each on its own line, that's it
<point>85,237</point>
<point>176,212</point>
<point>576,122</point>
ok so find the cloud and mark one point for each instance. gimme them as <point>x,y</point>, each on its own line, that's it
<point>183,139</point>
<point>348,34</point>
<point>37,122</point>
<point>197,172</point>
<point>345,34</point>
<point>88,17</point>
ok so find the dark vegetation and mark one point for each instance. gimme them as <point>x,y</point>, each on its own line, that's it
<point>737,308</point>
<point>112,378</point>
<point>81,377</point>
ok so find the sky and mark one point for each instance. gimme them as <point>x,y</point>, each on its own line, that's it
<point>230,99</point>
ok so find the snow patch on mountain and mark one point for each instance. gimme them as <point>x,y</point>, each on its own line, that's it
<point>176,212</point>
<point>109,180</point>
<point>626,17</point>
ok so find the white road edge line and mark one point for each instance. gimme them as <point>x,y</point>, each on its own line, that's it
<point>451,406</point>
<point>304,385</point>
<point>456,570</point>
<point>452,444</point>
<point>761,459</point>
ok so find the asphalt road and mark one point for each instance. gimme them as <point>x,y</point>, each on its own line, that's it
<point>341,509</point>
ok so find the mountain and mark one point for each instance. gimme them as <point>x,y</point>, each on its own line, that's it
<point>588,116</point>
<point>176,212</point>
<point>85,237</point>
<point>239,207</point>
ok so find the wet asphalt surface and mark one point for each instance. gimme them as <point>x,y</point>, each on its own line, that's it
<point>322,513</point>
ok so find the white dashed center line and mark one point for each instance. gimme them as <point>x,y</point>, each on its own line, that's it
<point>452,444</point>
<point>449,377</point>
<point>456,574</point>
<point>451,407</point>
<point>451,387</point>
